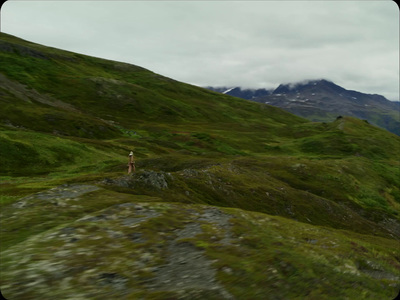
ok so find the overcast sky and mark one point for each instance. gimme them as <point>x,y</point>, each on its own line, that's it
<point>251,44</point>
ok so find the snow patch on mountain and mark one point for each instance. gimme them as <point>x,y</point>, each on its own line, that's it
<point>228,90</point>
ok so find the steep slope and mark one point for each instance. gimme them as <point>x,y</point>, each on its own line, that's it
<point>67,83</point>
<point>231,199</point>
<point>71,95</point>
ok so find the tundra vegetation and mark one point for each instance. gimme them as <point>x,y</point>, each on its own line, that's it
<point>231,199</point>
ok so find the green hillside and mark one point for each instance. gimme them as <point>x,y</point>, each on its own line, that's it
<point>259,200</point>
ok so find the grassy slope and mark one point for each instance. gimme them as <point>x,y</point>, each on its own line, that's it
<point>68,118</point>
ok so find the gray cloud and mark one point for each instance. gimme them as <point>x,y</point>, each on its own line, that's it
<point>247,43</point>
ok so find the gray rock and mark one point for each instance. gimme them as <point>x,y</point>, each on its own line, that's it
<point>153,179</point>
<point>114,280</point>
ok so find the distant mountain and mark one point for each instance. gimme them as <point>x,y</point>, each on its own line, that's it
<point>248,94</point>
<point>323,101</point>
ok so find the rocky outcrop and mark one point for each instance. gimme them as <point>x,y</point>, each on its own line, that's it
<point>149,179</point>
<point>128,249</point>
<point>116,252</point>
<point>59,196</point>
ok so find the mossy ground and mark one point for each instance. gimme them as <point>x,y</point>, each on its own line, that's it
<point>120,251</point>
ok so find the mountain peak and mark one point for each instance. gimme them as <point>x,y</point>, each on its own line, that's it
<point>306,84</point>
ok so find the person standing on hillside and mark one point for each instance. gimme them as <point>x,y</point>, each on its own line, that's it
<point>131,163</point>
